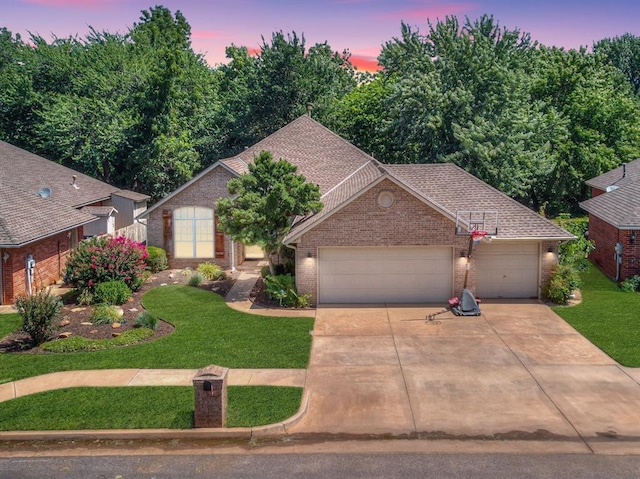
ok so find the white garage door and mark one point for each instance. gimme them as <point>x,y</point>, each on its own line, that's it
<point>385,275</point>
<point>507,270</point>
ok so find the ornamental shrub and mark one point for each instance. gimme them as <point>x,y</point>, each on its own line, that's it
<point>564,280</point>
<point>283,288</point>
<point>195,279</point>
<point>106,314</point>
<point>146,320</point>
<point>156,259</point>
<point>211,271</point>
<point>39,314</point>
<point>631,285</point>
<point>112,292</point>
<point>102,259</point>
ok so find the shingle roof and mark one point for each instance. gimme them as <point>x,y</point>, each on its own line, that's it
<point>99,210</point>
<point>619,207</point>
<point>323,157</point>
<point>451,188</point>
<point>23,175</point>
<point>131,195</point>
<point>30,173</point>
<point>26,217</point>
<point>342,171</point>
<point>445,187</point>
<point>344,191</point>
<point>630,171</point>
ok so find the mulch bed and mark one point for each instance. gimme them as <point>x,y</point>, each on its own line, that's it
<point>74,315</point>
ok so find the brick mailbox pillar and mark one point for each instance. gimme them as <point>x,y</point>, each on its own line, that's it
<point>210,386</point>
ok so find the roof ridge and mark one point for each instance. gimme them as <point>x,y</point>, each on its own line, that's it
<point>344,180</point>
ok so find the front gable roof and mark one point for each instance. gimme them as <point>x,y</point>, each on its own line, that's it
<point>620,206</point>
<point>444,187</point>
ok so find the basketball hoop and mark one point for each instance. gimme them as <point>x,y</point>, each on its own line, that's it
<point>477,236</point>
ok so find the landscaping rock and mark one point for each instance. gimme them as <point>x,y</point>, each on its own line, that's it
<point>115,335</point>
<point>116,325</point>
<point>64,322</point>
<point>76,310</point>
<point>133,310</point>
<point>64,335</point>
<point>93,331</point>
<point>86,323</point>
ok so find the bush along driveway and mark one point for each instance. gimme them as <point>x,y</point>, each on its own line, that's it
<point>607,316</point>
<point>207,332</point>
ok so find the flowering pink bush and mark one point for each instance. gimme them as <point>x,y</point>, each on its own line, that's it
<point>101,259</point>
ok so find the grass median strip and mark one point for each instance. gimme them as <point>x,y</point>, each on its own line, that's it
<point>207,332</point>
<point>607,316</point>
<point>167,407</point>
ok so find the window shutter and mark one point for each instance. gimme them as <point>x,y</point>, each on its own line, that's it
<point>219,240</point>
<point>167,231</point>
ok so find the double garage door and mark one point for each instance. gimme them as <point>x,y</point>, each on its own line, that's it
<point>385,275</point>
<point>507,270</point>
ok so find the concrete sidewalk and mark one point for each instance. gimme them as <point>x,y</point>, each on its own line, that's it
<point>145,377</point>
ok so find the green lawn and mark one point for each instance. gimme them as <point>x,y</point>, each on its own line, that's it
<point>168,407</point>
<point>608,317</point>
<point>207,332</point>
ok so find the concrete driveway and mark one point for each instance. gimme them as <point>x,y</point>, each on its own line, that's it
<point>518,371</point>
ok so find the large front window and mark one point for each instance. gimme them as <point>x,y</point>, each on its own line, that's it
<point>194,232</point>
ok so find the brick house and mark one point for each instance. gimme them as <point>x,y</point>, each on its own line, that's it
<point>45,209</point>
<point>614,220</point>
<point>387,233</point>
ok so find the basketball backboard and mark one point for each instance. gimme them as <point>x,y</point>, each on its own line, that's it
<point>476,220</point>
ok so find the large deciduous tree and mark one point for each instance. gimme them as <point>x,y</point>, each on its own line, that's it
<point>265,201</point>
<point>265,92</point>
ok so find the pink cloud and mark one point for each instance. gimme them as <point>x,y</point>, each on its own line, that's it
<point>365,63</point>
<point>432,11</point>
<point>206,34</point>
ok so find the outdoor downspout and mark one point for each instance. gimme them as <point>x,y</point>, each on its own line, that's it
<point>233,255</point>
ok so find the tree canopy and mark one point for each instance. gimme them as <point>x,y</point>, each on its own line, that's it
<point>143,111</point>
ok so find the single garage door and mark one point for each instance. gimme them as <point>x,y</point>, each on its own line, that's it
<point>507,270</point>
<point>385,275</point>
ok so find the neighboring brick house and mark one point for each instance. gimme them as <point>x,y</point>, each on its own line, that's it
<point>387,233</point>
<point>45,209</point>
<point>614,220</point>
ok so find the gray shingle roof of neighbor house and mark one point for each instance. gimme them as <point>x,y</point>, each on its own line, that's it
<point>30,173</point>
<point>131,195</point>
<point>99,210</point>
<point>27,217</point>
<point>623,175</point>
<point>24,175</point>
<point>620,206</point>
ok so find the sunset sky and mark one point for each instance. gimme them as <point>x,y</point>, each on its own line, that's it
<point>362,26</point>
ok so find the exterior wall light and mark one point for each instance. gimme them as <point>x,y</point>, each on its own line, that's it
<point>632,238</point>
<point>309,255</point>
<point>463,254</point>
<point>550,250</point>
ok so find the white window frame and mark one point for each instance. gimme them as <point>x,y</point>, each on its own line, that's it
<point>199,229</point>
